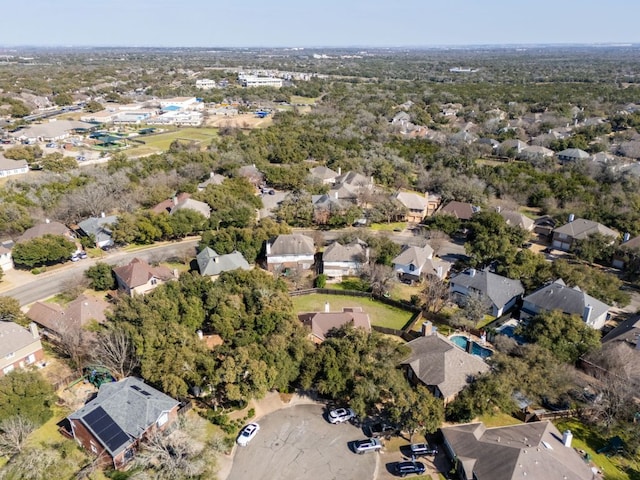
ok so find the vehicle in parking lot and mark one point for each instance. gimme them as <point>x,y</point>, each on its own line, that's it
<point>340,415</point>
<point>82,255</point>
<point>247,434</point>
<point>367,445</point>
<point>405,468</point>
<point>418,449</point>
<point>75,258</point>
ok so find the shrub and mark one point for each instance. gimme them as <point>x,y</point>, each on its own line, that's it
<point>321,281</point>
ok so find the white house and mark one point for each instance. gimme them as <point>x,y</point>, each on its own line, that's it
<point>10,167</point>
<point>254,81</point>
<point>413,263</point>
<point>290,251</point>
<point>343,260</point>
<point>183,103</point>
<point>6,261</point>
<point>205,84</point>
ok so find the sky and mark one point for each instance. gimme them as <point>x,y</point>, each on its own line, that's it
<point>305,23</point>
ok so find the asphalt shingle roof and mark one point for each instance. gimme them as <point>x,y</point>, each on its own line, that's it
<point>210,263</point>
<point>570,300</point>
<point>495,287</point>
<point>293,244</point>
<point>581,228</point>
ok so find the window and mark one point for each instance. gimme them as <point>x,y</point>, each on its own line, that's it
<point>30,359</point>
<point>93,448</point>
<point>412,267</point>
<point>164,418</point>
<point>10,355</point>
<point>8,369</point>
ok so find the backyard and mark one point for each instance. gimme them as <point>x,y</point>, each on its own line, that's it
<point>381,315</point>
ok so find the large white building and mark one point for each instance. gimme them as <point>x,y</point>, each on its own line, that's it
<point>184,103</point>
<point>205,84</point>
<point>254,81</point>
<point>10,167</point>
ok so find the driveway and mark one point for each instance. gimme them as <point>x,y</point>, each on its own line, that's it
<point>297,443</point>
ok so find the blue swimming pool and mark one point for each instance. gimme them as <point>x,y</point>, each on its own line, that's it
<point>461,341</point>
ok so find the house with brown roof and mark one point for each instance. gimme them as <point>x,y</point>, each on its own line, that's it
<point>517,219</point>
<point>138,277</point>
<point>321,323</point>
<point>182,201</point>
<point>444,368</point>
<point>564,237</point>
<point>535,450</point>
<point>626,252</point>
<point>461,210</point>
<point>324,174</point>
<point>290,251</point>
<point>19,347</point>
<point>46,228</point>
<point>55,319</point>
<point>417,206</point>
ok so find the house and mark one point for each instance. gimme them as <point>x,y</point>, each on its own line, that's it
<point>460,210</point>
<point>350,186</point>
<point>324,174</point>
<point>629,248</point>
<point>543,226</point>
<point>6,260</point>
<point>55,320</point>
<point>51,131</point>
<point>212,264</point>
<point>343,260</point>
<point>444,368</point>
<point>517,219</point>
<point>10,167</point>
<point>415,263</point>
<point>535,450</point>
<point>501,292</point>
<point>19,347</point>
<point>290,251</point>
<point>512,147</point>
<point>254,176</point>
<point>100,228</point>
<point>214,179</point>
<point>569,300</point>
<point>140,277</point>
<point>321,323</point>
<point>572,155</point>
<point>535,152</point>
<point>620,351</point>
<point>418,206</point>
<point>46,228</point>
<point>564,237</point>
<point>124,413</point>
<point>182,201</point>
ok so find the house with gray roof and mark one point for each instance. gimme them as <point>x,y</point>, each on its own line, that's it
<point>124,413</point>
<point>324,174</point>
<point>501,292</point>
<point>620,352</point>
<point>535,152</point>
<point>572,155</point>
<point>211,264</point>
<point>444,368</point>
<point>19,347</point>
<point>340,260</point>
<point>214,179</point>
<point>513,146</point>
<point>564,237</point>
<point>9,167</point>
<point>535,450</point>
<point>350,186</point>
<point>415,263</point>
<point>290,251</point>
<point>321,323</point>
<point>517,219</point>
<point>418,205</point>
<point>460,210</point>
<point>100,228</point>
<point>46,228</point>
<point>569,300</point>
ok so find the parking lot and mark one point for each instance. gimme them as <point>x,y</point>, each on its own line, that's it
<point>298,443</point>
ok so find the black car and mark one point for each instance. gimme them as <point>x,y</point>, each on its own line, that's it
<point>405,468</point>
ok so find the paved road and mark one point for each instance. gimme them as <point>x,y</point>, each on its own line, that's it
<point>50,283</point>
<point>297,443</point>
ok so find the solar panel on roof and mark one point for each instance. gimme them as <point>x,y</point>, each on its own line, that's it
<point>135,387</point>
<point>145,393</point>
<point>106,429</point>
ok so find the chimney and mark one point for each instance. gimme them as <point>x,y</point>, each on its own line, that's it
<point>567,437</point>
<point>626,237</point>
<point>102,215</point>
<point>638,342</point>
<point>175,200</point>
<point>498,209</point>
<point>46,220</point>
<point>339,170</point>
<point>472,272</point>
<point>34,330</point>
<point>439,272</point>
<point>572,217</point>
<point>427,328</point>
<point>586,315</point>
<point>200,335</point>
<point>335,194</point>
<point>327,308</point>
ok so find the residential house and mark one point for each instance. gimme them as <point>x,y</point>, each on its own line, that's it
<point>138,277</point>
<point>290,251</point>
<point>351,186</point>
<point>9,167</point>
<point>460,210</point>
<point>629,248</point>
<point>343,260</point>
<point>211,264</point>
<point>19,347</point>
<point>254,176</point>
<point>415,263</point>
<point>535,152</point>
<point>572,155</point>
<point>321,323</point>
<point>569,300</point>
<point>462,137</point>
<point>620,352</point>
<point>56,320</point>
<point>100,228</point>
<point>324,174</point>
<point>124,413</point>
<point>46,228</point>
<point>517,219</point>
<point>512,146</point>
<point>418,206</point>
<point>535,450</point>
<point>501,292</point>
<point>444,368</point>
<point>182,201</point>
<point>564,237</point>
<point>214,179</point>
<point>6,260</point>
<point>544,227</point>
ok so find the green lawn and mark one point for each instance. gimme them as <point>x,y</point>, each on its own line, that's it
<point>389,227</point>
<point>162,141</point>
<point>380,314</point>
<point>591,439</point>
<point>295,99</point>
<point>498,420</point>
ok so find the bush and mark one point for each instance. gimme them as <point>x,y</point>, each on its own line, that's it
<point>321,281</point>
<point>355,284</point>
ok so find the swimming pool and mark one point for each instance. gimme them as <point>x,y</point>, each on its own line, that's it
<point>461,341</point>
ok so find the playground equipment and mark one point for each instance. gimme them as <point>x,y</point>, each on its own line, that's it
<point>96,375</point>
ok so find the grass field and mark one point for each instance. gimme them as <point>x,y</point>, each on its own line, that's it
<point>162,141</point>
<point>380,314</point>
<point>296,100</point>
<point>389,227</point>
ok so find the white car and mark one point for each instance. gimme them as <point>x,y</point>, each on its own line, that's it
<point>340,415</point>
<point>247,434</point>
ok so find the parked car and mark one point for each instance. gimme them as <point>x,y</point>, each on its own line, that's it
<point>367,445</point>
<point>340,415</point>
<point>247,434</point>
<point>405,468</point>
<point>419,449</point>
<point>75,258</point>
<point>82,255</point>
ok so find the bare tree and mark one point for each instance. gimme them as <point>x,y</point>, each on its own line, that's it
<point>31,464</point>
<point>435,294</point>
<point>379,276</point>
<point>13,434</point>
<point>116,351</point>
<point>74,342</point>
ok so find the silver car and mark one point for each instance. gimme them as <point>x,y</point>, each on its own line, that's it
<point>340,415</point>
<point>367,445</point>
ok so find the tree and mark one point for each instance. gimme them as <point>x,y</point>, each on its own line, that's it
<point>63,99</point>
<point>567,336</point>
<point>115,349</point>
<point>101,276</point>
<point>10,311</point>
<point>379,276</point>
<point>26,394</point>
<point>14,432</point>
<point>435,294</point>
<point>92,106</point>
<point>490,238</point>
<point>45,250</point>
<point>596,247</point>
